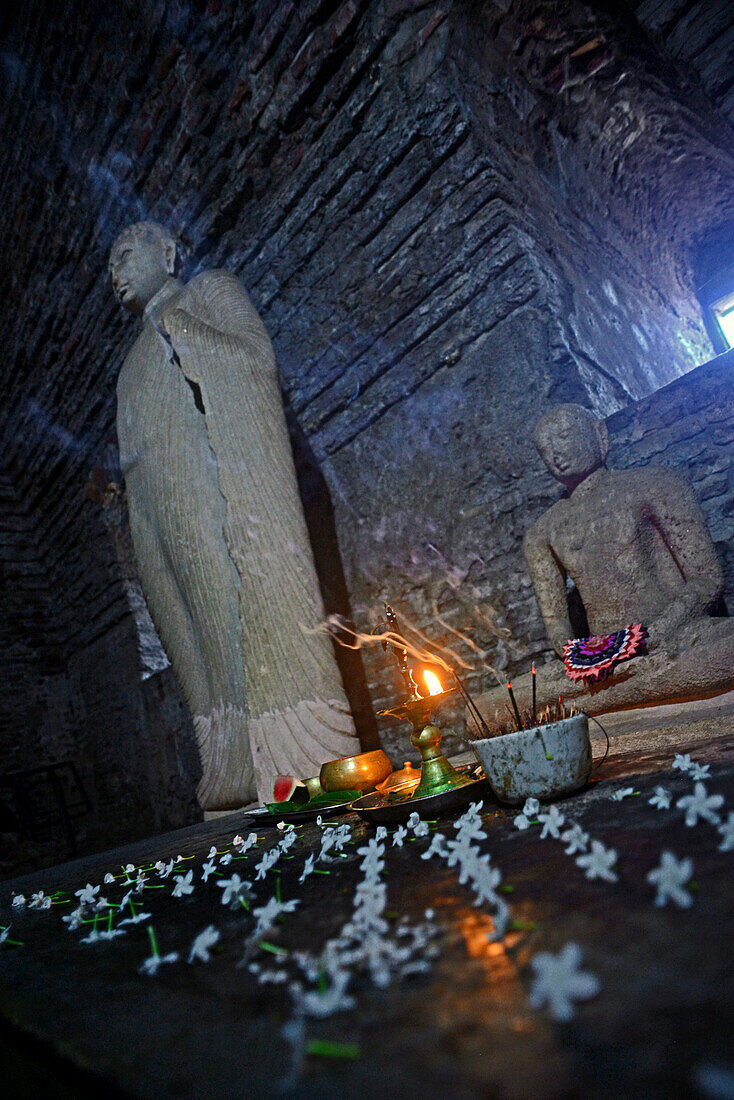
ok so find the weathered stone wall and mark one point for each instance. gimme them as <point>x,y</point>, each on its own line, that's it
<point>689,425</point>
<point>699,33</point>
<point>450,215</point>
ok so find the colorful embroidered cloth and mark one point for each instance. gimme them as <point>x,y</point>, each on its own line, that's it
<point>593,659</point>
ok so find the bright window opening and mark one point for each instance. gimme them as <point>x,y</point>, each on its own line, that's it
<point>723,311</point>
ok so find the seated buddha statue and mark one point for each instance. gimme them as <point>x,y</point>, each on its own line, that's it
<point>636,546</point>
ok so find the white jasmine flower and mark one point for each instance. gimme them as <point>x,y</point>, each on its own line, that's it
<point>380,833</point>
<point>129,868</point>
<point>150,965</point>
<point>212,852</point>
<point>39,901</point>
<point>179,858</point>
<point>521,821</point>
<point>268,914</point>
<point>500,919</point>
<point>274,977</point>
<point>328,841</point>
<point>437,847</point>
<point>372,863</point>
<point>669,878</point>
<point>87,896</point>
<point>138,918</point>
<point>307,868</point>
<point>109,878</point>
<point>269,859</point>
<point>234,889</point>
<point>552,820</point>
<point>108,934</point>
<point>333,999</point>
<point>250,842</point>
<point>660,799</point>
<point>287,840</point>
<point>413,820</point>
<point>485,882</point>
<point>238,842</point>
<point>333,838</point>
<point>421,829</point>
<point>531,807</point>
<point>294,1033</point>
<point>319,820</point>
<point>700,771</point>
<point>74,919</point>
<point>226,858</point>
<point>558,981</point>
<point>599,862</point>
<point>207,869</point>
<point>469,825</point>
<point>620,794</point>
<point>281,825</point>
<point>4,933</point>
<point>683,763</point>
<point>102,904</point>
<point>159,866</point>
<point>18,901</point>
<point>399,836</point>
<point>576,839</point>
<point>184,885</point>
<point>726,830</point>
<point>202,943</point>
<point>140,882</point>
<point>701,804</point>
<point>166,869</point>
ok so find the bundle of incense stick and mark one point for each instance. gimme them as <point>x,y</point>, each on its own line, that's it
<point>482,727</point>
<point>526,720</point>
<point>519,720</point>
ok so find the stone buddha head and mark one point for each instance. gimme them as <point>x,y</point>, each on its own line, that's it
<point>572,443</point>
<point>141,260</point>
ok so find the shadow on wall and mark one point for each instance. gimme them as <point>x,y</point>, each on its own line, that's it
<point>319,514</point>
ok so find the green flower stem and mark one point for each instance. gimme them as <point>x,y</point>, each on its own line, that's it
<point>322,1048</point>
<point>153,941</point>
<point>272,948</point>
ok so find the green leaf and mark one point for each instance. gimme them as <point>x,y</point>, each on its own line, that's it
<point>320,802</point>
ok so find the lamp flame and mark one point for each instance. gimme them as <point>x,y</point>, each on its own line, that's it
<point>434,685</point>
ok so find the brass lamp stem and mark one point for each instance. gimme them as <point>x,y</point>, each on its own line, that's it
<point>437,774</point>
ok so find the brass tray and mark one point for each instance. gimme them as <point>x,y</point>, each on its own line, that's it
<point>377,810</point>
<point>298,817</point>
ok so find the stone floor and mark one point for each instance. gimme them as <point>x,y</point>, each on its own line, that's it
<point>75,1018</point>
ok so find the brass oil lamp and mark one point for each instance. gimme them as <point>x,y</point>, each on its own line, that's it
<point>437,775</point>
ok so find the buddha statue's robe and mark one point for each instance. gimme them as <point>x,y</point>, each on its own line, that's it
<point>221,542</point>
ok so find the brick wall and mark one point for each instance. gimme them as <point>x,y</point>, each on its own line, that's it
<point>450,216</point>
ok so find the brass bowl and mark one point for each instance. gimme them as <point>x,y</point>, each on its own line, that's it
<point>355,773</point>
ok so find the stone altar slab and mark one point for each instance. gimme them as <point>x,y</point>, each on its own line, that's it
<point>659,1025</point>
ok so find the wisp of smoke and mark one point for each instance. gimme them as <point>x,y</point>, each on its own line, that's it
<point>346,634</point>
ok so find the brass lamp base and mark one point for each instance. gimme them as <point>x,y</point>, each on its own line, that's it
<point>437,775</point>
